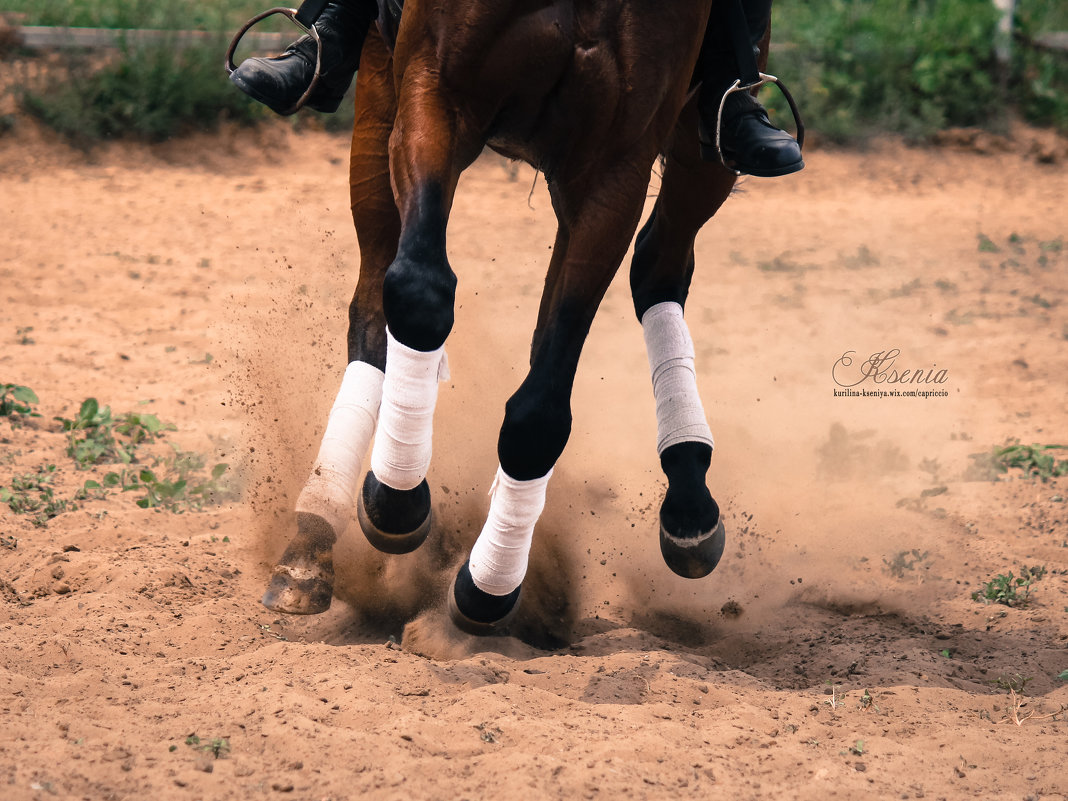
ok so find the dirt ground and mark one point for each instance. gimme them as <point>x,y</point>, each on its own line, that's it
<point>837,651</point>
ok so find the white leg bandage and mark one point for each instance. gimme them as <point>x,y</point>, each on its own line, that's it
<point>499,558</point>
<point>401,455</point>
<point>679,414</point>
<point>331,488</point>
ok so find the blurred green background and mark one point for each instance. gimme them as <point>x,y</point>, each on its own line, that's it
<point>857,68</point>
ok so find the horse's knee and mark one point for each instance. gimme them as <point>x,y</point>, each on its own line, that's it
<point>656,275</point>
<point>533,435</point>
<point>418,298</point>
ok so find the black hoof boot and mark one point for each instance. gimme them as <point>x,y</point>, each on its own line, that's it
<point>750,143</point>
<point>476,612</point>
<point>693,557</point>
<point>280,82</point>
<point>691,532</point>
<point>394,521</point>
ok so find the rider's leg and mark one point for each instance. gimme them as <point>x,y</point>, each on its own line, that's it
<point>749,141</point>
<point>279,82</point>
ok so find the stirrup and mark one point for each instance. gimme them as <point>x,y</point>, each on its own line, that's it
<point>738,86</point>
<point>309,29</point>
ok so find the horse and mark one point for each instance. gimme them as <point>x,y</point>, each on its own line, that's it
<point>591,93</point>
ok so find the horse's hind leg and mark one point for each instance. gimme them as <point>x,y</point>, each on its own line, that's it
<point>691,532</point>
<point>303,579</point>
<point>595,226</point>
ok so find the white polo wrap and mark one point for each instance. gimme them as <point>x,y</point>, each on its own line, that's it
<point>401,454</point>
<point>502,551</point>
<point>679,414</point>
<point>331,488</point>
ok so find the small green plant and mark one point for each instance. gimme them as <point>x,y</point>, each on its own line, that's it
<point>32,494</point>
<point>1035,460</point>
<point>23,334</point>
<point>17,401</point>
<point>1010,590</point>
<point>218,747</point>
<point>867,701</point>
<point>180,486</point>
<point>95,437</point>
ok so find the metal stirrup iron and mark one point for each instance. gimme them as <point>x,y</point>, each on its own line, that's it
<point>751,76</point>
<point>304,18</point>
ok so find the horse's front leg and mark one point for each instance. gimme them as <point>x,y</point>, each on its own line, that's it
<point>596,223</point>
<point>418,294</point>
<point>692,537</point>
<point>303,580</point>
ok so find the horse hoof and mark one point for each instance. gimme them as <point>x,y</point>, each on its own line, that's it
<point>299,590</point>
<point>476,612</point>
<point>693,557</point>
<point>394,521</point>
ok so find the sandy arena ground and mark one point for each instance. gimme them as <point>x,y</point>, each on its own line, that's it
<point>837,651</point>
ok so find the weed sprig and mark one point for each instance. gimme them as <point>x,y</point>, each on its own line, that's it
<point>17,401</point>
<point>1010,590</point>
<point>1034,460</point>
<point>178,483</point>
<point>33,494</point>
<point>95,437</point>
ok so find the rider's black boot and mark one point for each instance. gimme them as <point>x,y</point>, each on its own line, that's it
<point>279,82</point>
<point>749,142</point>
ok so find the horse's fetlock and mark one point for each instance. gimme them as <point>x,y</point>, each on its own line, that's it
<point>418,302</point>
<point>533,436</point>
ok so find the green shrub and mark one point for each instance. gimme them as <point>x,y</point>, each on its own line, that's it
<point>1040,77</point>
<point>173,14</point>
<point>149,92</point>
<point>856,67</point>
<point>864,66</point>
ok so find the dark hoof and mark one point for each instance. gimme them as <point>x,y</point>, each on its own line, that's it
<point>302,582</point>
<point>693,557</point>
<point>299,590</point>
<point>479,613</point>
<point>394,521</point>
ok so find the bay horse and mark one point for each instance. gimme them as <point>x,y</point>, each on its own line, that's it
<point>591,93</point>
